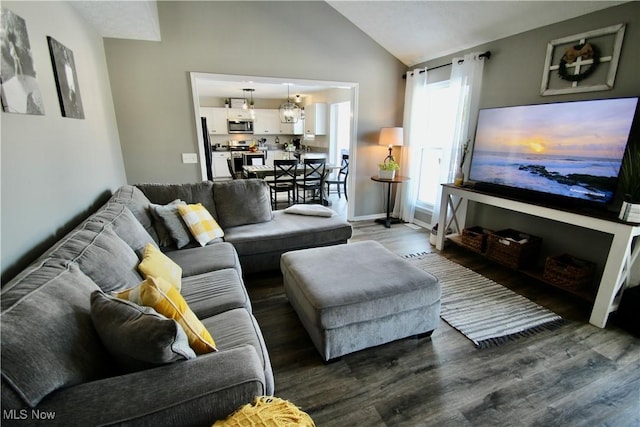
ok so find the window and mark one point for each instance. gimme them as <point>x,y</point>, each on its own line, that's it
<point>436,114</point>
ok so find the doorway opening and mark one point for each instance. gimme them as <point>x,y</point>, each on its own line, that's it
<point>339,139</point>
<point>209,90</point>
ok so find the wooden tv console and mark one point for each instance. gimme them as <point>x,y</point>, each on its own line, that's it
<point>623,252</point>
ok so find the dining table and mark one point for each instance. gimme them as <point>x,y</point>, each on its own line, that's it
<point>265,171</point>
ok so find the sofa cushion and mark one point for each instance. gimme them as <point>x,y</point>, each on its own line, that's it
<point>242,201</point>
<point>124,224</point>
<point>169,223</point>
<point>204,259</point>
<point>212,293</point>
<point>237,328</point>
<point>288,232</point>
<point>200,223</point>
<point>138,203</point>
<point>155,263</point>
<point>138,337</point>
<point>103,256</point>
<point>158,294</point>
<point>199,192</point>
<point>48,340</point>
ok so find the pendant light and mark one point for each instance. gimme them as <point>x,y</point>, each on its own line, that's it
<point>289,112</point>
<point>249,105</point>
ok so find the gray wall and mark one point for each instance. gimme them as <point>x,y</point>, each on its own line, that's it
<point>513,76</point>
<point>306,40</point>
<point>55,168</point>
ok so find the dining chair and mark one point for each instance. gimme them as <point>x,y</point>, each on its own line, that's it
<point>234,175</point>
<point>341,179</point>
<point>250,159</point>
<point>283,180</point>
<point>311,180</point>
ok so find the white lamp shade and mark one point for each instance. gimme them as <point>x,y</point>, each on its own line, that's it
<point>391,136</point>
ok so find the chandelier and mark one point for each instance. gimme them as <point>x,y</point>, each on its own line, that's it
<point>289,112</point>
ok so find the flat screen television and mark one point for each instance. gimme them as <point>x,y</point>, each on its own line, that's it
<point>566,153</point>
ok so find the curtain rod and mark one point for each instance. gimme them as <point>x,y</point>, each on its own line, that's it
<point>486,54</point>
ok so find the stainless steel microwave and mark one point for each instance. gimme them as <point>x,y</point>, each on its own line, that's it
<point>240,126</point>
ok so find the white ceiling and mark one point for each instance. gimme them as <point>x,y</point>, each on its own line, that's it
<point>136,20</point>
<point>412,31</point>
<point>418,31</point>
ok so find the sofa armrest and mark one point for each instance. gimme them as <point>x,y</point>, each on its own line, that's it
<point>193,392</point>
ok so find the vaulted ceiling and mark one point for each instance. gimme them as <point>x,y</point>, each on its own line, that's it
<point>412,31</point>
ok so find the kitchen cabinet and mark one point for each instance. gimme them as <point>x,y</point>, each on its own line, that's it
<point>268,122</point>
<point>237,113</point>
<point>219,166</point>
<point>315,119</point>
<point>292,128</point>
<point>216,119</point>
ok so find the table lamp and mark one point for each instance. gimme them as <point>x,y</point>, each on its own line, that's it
<point>390,137</point>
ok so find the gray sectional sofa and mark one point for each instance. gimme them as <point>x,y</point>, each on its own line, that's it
<point>58,370</point>
<point>243,210</point>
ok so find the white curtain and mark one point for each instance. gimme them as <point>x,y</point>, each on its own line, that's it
<point>407,193</point>
<point>466,85</point>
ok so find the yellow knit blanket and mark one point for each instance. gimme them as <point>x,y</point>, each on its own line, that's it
<point>267,411</point>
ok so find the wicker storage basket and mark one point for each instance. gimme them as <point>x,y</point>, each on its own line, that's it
<point>568,272</point>
<point>475,238</point>
<point>513,248</point>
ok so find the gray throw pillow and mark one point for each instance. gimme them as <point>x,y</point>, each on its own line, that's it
<point>138,337</point>
<point>170,227</point>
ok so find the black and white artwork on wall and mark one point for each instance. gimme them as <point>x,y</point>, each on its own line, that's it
<point>19,88</point>
<point>64,69</point>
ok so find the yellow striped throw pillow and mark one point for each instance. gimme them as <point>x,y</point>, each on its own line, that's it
<point>200,222</point>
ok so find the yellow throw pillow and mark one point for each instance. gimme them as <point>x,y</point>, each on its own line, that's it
<point>200,222</point>
<point>164,298</point>
<point>131,294</point>
<point>155,263</point>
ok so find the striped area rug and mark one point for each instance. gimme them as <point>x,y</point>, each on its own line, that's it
<point>482,310</point>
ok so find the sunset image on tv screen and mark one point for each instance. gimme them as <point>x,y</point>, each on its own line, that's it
<point>572,149</point>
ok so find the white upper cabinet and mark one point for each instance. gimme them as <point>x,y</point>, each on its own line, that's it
<point>237,113</point>
<point>267,122</point>
<point>216,119</point>
<point>292,128</point>
<point>315,119</point>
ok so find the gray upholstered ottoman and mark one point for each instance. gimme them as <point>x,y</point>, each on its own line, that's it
<point>354,296</point>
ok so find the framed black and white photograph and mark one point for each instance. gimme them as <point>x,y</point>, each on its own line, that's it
<point>64,70</point>
<point>19,89</point>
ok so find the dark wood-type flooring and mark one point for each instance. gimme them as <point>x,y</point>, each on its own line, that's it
<point>576,375</point>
